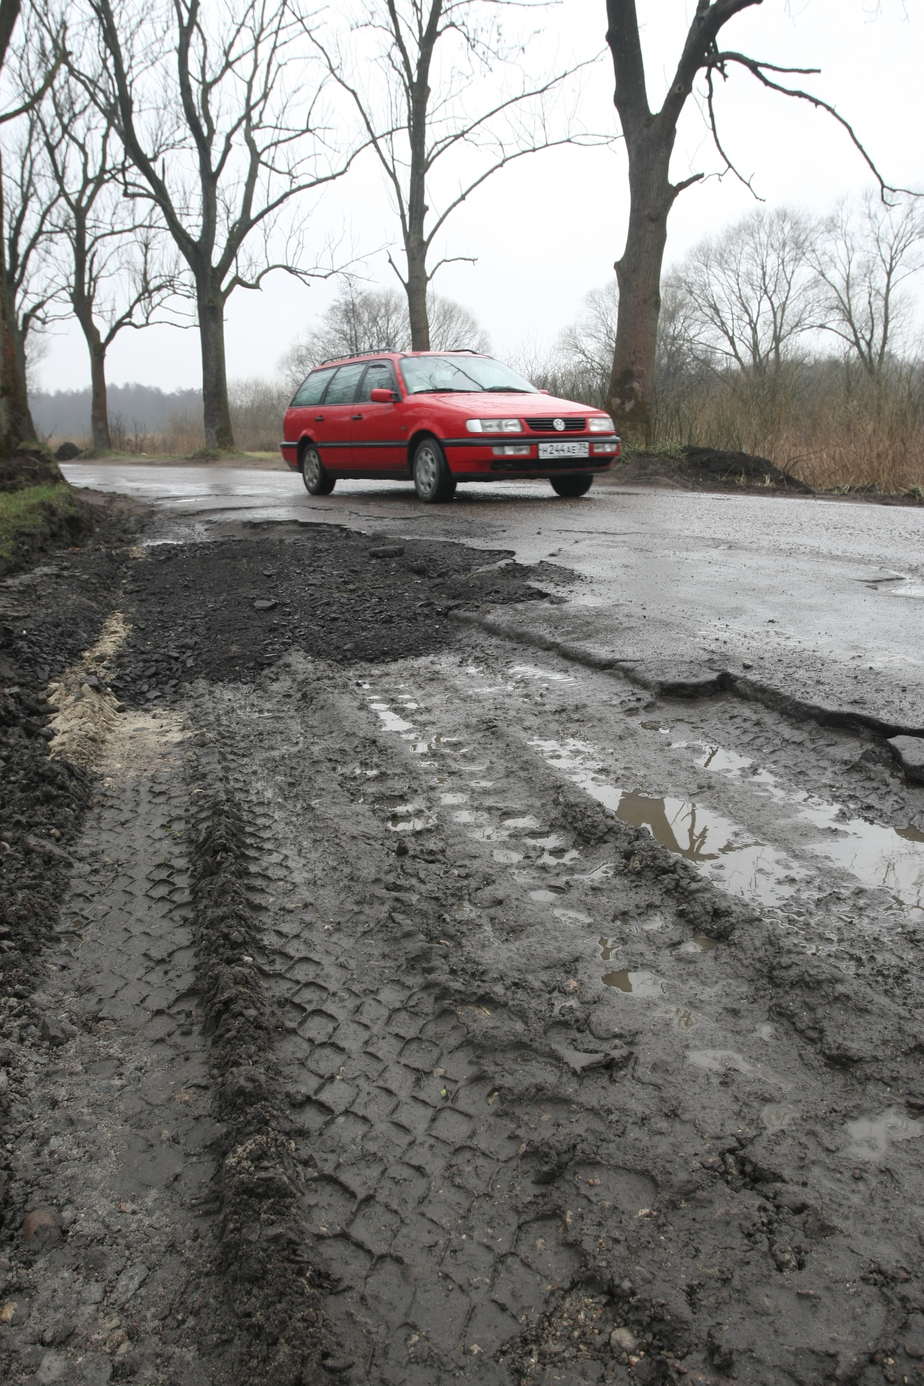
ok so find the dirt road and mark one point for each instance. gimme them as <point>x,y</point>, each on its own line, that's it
<point>408,1003</point>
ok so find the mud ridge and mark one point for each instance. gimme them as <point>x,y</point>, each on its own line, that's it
<point>274,1292</point>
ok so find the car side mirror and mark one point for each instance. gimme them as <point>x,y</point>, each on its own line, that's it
<point>382,396</point>
<point>545,392</point>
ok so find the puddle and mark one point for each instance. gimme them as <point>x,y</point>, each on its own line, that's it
<point>776,1116</point>
<point>546,896</point>
<point>644,984</point>
<point>683,1018</point>
<point>721,1060</point>
<point>506,857</point>
<point>390,720</point>
<point>572,917</point>
<point>877,856</point>
<point>410,818</point>
<point>699,943</point>
<point>721,849</point>
<point>870,1137</point>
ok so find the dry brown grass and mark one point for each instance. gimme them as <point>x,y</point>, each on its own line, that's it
<point>819,423</point>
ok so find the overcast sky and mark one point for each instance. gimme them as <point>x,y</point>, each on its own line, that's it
<point>548,228</point>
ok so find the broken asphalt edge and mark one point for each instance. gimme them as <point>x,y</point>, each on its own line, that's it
<point>706,682</point>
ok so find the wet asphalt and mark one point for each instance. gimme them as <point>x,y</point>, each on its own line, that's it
<point>819,599</point>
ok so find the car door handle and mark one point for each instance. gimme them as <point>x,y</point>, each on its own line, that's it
<point>356,416</point>
<point>318,418</point>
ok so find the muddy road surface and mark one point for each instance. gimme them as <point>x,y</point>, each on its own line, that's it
<point>402,985</point>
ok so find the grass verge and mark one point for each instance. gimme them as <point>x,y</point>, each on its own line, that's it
<point>33,519</point>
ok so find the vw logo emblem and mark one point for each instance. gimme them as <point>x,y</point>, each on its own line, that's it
<point>558,424</point>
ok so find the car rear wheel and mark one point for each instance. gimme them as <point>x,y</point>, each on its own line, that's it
<point>317,482</point>
<point>433,481</point>
<point>571,485</point>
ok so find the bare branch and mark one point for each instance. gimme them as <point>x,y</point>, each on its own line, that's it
<point>760,69</point>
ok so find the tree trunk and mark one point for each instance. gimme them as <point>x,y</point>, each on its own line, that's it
<point>417,298</point>
<point>215,409</point>
<point>99,406</point>
<point>638,273</point>
<point>16,426</point>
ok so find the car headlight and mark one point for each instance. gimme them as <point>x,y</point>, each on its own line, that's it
<point>494,425</point>
<point>604,425</point>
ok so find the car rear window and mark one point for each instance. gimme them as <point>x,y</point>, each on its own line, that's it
<point>312,389</point>
<point>343,386</point>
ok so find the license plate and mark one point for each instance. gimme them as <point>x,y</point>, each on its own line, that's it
<point>548,450</point>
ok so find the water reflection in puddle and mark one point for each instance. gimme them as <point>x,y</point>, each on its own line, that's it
<point>698,944</point>
<point>874,854</point>
<point>681,1016</point>
<point>645,984</point>
<point>878,857</point>
<point>706,838</point>
<point>871,1137</point>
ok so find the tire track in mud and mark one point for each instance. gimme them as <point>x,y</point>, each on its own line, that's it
<point>115,1154</point>
<point>511,1162</point>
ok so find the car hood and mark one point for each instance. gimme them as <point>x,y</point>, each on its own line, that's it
<point>490,406</point>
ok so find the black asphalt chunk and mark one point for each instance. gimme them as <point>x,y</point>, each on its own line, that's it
<point>225,610</point>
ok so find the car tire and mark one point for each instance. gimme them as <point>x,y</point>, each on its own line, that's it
<point>316,479</point>
<point>433,481</point>
<point>571,485</point>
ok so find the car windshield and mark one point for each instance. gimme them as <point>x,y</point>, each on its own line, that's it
<point>461,374</point>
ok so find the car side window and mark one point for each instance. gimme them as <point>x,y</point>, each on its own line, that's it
<point>343,386</point>
<point>379,375</point>
<point>311,390</point>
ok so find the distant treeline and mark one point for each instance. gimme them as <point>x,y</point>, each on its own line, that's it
<point>133,408</point>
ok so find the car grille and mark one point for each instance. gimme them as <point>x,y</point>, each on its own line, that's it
<point>547,426</point>
<point>555,464</point>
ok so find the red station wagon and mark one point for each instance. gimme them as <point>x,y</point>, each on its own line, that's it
<point>438,418</point>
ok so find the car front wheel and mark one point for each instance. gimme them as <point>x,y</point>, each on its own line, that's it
<point>571,485</point>
<point>433,481</point>
<point>317,482</point>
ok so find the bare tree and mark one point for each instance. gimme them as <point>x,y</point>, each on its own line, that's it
<point>589,342</point>
<point>221,121</point>
<point>113,271</point>
<point>21,458</point>
<point>649,137</point>
<point>862,258</point>
<point>29,203</point>
<point>750,291</point>
<point>361,321</point>
<point>419,103</point>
